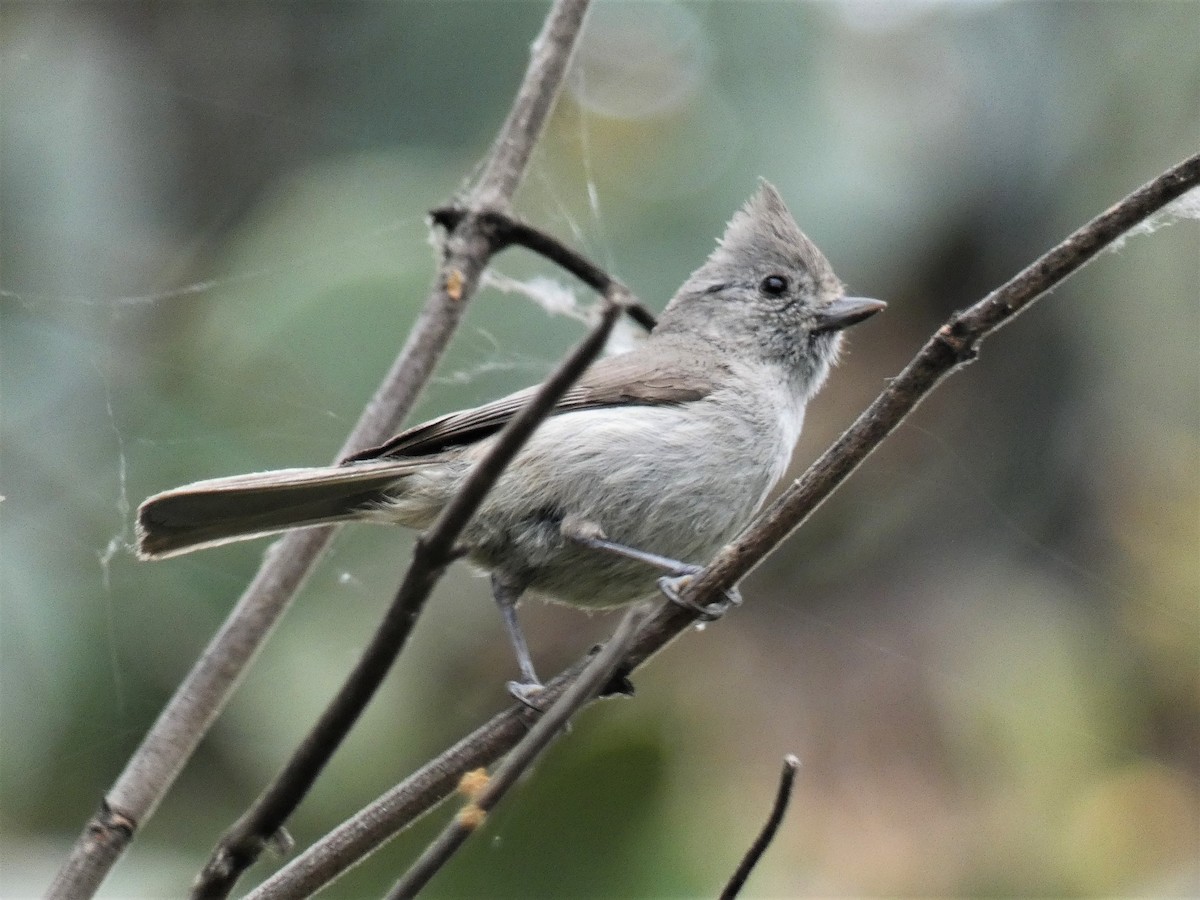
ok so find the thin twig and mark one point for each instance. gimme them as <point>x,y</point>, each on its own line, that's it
<point>188,715</point>
<point>354,839</point>
<point>784,794</point>
<point>506,230</point>
<point>434,551</point>
<point>590,682</point>
<point>954,344</point>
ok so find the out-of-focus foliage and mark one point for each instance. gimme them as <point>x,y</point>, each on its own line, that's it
<point>984,648</point>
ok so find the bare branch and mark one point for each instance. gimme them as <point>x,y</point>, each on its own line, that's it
<point>953,345</point>
<point>784,794</point>
<point>188,715</point>
<point>506,230</point>
<point>434,551</point>
<point>549,56</point>
<point>591,680</point>
<point>356,838</point>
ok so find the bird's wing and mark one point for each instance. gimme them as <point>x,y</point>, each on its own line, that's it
<point>660,377</point>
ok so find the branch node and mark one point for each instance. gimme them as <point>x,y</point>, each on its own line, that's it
<point>281,843</point>
<point>471,816</point>
<point>618,686</point>
<point>421,546</point>
<point>110,821</point>
<point>447,216</point>
<point>473,782</point>
<point>501,230</point>
<point>955,337</point>
<point>454,284</point>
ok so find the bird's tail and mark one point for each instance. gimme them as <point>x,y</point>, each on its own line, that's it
<point>209,513</point>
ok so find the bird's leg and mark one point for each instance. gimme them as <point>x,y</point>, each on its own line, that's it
<point>506,594</point>
<point>589,534</point>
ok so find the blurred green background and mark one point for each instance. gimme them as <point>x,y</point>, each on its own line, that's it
<point>984,648</point>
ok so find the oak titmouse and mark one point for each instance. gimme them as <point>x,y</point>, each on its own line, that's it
<point>654,459</point>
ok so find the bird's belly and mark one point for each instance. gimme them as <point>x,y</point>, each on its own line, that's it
<point>673,484</point>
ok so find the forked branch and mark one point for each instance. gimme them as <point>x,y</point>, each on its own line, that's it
<point>591,681</point>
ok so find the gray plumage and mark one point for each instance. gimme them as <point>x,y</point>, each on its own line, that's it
<point>670,448</point>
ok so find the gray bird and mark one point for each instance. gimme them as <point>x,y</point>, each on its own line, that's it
<point>652,461</point>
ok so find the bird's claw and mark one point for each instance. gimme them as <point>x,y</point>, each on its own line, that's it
<point>526,692</point>
<point>671,585</point>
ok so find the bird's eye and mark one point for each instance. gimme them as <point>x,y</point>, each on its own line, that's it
<point>774,285</point>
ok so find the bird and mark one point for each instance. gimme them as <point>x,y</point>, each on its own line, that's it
<point>652,461</point>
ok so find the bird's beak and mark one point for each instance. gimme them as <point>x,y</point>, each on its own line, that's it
<point>844,312</point>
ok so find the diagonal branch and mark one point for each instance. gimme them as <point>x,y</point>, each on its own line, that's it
<point>591,681</point>
<point>358,837</point>
<point>241,846</point>
<point>173,738</point>
<point>951,347</point>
